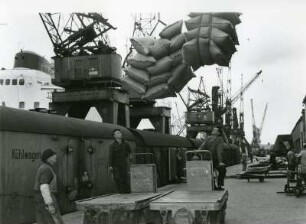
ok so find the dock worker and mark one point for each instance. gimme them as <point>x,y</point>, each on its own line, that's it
<point>119,152</point>
<point>244,159</point>
<point>214,143</point>
<point>291,163</point>
<point>45,188</point>
<point>303,163</point>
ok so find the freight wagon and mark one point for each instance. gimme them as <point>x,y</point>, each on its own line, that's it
<point>82,148</point>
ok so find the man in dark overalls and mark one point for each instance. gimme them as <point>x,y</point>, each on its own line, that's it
<point>119,152</point>
<point>45,187</point>
<point>214,144</point>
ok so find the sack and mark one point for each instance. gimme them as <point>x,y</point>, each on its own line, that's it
<point>161,66</point>
<point>142,44</point>
<point>194,51</point>
<point>171,30</point>
<point>159,79</point>
<point>181,75</point>
<point>177,42</point>
<point>177,58</point>
<point>214,22</point>
<point>138,75</point>
<point>220,38</point>
<point>218,56</point>
<point>198,52</point>
<point>160,48</point>
<point>133,86</point>
<point>233,17</point>
<point>159,91</point>
<point>141,61</point>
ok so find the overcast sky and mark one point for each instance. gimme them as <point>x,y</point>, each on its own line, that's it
<point>272,38</point>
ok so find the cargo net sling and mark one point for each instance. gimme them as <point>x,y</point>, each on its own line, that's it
<point>159,68</point>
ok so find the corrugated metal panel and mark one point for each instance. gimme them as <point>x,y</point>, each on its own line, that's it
<point>163,140</point>
<point>35,122</point>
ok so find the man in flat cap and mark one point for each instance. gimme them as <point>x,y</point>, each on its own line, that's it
<point>45,187</point>
<point>119,152</point>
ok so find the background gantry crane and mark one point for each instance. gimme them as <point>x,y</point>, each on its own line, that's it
<point>239,95</point>
<point>256,141</point>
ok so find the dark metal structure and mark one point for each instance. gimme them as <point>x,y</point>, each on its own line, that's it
<point>86,66</point>
<point>160,117</point>
<point>79,34</point>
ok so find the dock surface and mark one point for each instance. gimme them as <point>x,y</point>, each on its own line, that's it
<point>251,202</point>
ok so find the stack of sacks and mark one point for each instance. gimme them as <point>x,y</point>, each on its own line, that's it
<point>211,39</point>
<point>157,69</point>
<point>137,77</point>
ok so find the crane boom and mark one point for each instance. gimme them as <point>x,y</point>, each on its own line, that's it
<point>263,119</point>
<point>237,95</point>
<point>78,34</point>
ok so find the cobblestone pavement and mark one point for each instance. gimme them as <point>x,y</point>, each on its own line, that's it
<point>251,202</point>
<point>258,202</point>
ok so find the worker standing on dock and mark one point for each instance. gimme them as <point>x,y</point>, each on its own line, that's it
<point>291,163</point>
<point>244,158</point>
<point>303,163</point>
<point>45,187</point>
<point>214,144</point>
<point>119,152</point>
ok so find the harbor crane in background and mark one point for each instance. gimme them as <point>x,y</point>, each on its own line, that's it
<point>204,112</point>
<point>234,99</point>
<point>197,101</point>
<point>256,141</point>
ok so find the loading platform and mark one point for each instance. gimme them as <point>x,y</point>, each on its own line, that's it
<point>173,204</point>
<point>116,208</point>
<point>192,207</point>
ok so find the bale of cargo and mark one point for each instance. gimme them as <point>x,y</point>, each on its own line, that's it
<point>233,17</point>
<point>159,91</point>
<point>141,61</point>
<point>160,48</point>
<point>193,52</point>
<point>159,79</point>
<point>138,75</point>
<point>217,55</point>
<point>171,30</point>
<point>142,44</point>
<point>200,51</point>
<point>177,58</point>
<point>181,75</point>
<point>161,66</point>
<point>176,43</point>
<point>220,38</point>
<point>214,22</point>
<point>132,86</point>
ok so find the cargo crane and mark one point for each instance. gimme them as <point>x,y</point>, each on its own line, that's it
<point>201,117</point>
<point>198,110</point>
<point>257,131</point>
<point>239,95</point>
<point>80,34</point>
<point>86,66</point>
